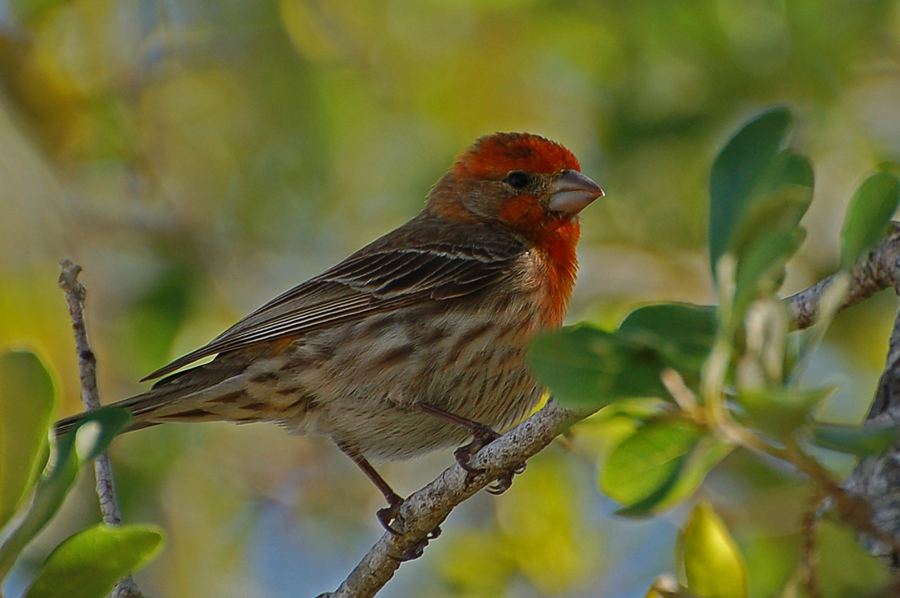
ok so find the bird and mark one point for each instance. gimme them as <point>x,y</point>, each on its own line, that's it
<point>418,340</point>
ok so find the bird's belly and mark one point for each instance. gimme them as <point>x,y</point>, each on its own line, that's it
<point>363,380</point>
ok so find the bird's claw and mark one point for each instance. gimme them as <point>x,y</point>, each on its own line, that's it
<point>464,454</point>
<point>504,482</point>
<point>389,516</point>
<point>417,549</point>
<point>482,437</point>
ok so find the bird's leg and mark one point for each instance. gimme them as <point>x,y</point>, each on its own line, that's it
<point>482,436</point>
<point>390,514</point>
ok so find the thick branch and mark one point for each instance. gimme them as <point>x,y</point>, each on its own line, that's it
<point>87,370</point>
<point>877,479</point>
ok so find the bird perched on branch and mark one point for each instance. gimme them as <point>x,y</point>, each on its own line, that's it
<point>415,342</point>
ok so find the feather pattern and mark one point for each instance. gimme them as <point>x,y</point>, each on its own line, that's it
<point>391,272</point>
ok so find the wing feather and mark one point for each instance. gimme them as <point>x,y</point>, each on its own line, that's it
<point>391,272</point>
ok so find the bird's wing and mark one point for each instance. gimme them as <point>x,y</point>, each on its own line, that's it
<point>386,275</point>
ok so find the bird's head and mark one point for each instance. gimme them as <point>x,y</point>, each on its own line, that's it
<point>519,181</point>
<point>529,186</point>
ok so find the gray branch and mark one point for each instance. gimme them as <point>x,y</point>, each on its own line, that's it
<point>875,272</point>
<point>877,479</point>
<point>429,507</point>
<point>426,509</point>
<point>87,370</point>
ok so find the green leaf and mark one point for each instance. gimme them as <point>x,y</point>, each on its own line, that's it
<point>94,433</point>
<point>89,438</point>
<point>758,197</point>
<point>844,568</point>
<point>697,463</point>
<point>855,440</point>
<point>868,215</point>
<point>90,563</point>
<point>684,334</point>
<point>710,563</point>
<point>644,467</point>
<point>707,453</point>
<point>761,269</point>
<point>27,400</point>
<point>737,173</point>
<point>585,366</point>
<point>780,411</point>
<point>782,196</point>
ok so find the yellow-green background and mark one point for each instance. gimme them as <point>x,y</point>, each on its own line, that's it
<point>198,157</point>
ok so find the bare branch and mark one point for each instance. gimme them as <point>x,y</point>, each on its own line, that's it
<point>875,480</point>
<point>887,397</point>
<point>87,370</point>
<point>426,509</point>
<point>875,272</point>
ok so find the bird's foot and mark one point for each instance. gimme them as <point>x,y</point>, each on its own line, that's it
<point>417,549</point>
<point>390,520</point>
<point>483,436</point>
<point>389,516</point>
<point>504,482</point>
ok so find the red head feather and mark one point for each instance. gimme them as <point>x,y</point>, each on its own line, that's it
<point>496,155</point>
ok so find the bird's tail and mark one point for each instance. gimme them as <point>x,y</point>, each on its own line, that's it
<point>208,392</point>
<point>140,406</point>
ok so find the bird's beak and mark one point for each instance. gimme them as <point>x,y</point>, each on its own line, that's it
<point>572,192</point>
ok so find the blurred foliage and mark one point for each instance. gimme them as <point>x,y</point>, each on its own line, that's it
<point>730,379</point>
<point>27,400</point>
<point>90,563</point>
<point>196,158</point>
<point>708,561</point>
<point>34,482</point>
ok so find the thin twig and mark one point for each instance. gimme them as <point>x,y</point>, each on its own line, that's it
<point>808,558</point>
<point>87,371</point>
<point>854,510</point>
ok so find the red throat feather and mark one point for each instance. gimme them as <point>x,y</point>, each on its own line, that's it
<point>554,238</point>
<point>556,249</point>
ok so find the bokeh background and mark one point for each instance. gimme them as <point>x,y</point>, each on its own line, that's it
<point>197,158</point>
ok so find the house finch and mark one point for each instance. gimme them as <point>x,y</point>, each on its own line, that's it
<point>416,341</point>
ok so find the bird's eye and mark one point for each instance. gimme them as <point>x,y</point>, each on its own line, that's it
<point>517,179</point>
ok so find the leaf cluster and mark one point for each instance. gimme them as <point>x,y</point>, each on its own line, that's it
<point>723,377</point>
<point>36,473</point>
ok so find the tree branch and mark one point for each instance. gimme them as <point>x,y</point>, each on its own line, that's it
<point>877,479</point>
<point>429,507</point>
<point>87,370</point>
<point>426,509</point>
<point>875,272</point>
